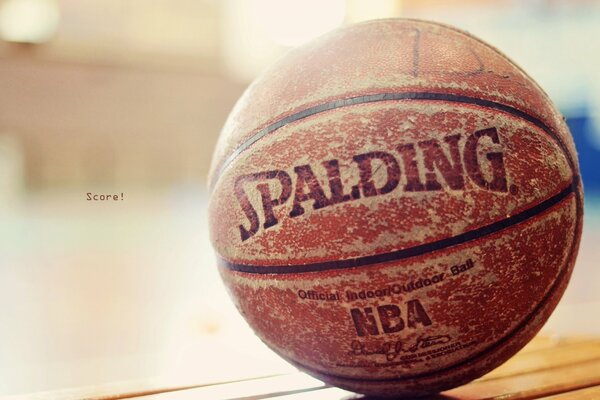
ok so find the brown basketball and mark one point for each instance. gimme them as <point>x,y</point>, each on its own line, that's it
<point>396,207</point>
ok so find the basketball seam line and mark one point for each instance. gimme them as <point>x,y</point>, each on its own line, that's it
<point>372,98</point>
<point>484,352</point>
<point>408,252</point>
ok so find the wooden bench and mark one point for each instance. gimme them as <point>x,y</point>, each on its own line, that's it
<point>558,368</point>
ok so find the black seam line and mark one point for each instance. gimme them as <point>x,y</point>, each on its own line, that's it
<point>376,98</point>
<point>409,252</point>
<point>526,322</point>
<point>519,328</point>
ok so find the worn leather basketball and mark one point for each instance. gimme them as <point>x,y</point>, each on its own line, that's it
<point>396,207</point>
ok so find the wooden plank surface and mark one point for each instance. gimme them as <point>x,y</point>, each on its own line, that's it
<point>591,393</point>
<point>547,368</point>
<point>560,354</point>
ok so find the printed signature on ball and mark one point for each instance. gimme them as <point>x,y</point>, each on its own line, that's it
<point>393,349</point>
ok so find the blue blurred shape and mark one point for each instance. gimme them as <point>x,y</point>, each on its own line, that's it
<point>588,146</point>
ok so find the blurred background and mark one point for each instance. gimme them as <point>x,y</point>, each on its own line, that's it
<point>127,97</point>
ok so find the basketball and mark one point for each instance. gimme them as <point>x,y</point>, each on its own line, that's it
<point>395,207</point>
